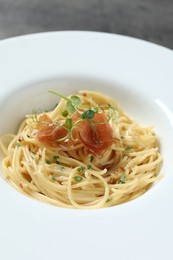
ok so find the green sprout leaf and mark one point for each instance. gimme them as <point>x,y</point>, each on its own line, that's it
<point>75,101</point>
<point>88,114</point>
<point>70,107</point>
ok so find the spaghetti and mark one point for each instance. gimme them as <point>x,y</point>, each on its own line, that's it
<point>86,153</point>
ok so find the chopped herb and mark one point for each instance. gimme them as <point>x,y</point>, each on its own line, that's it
<point>18,144</point>
<point>48,162</point>
<point>78,178</point>
<point>153,134</point>
<point>88,114</point>
<point>122,179</point>
<point>108,200</point>
<point>64,113</point>
<point>89,166</point>
<point>61,168</point>
<point>81,169</point>
<point>55,157</point>
<point>54,178</point>
<point>91,158</point>
<point>57,162</point>
<point>33,156</point>
<point>127,148</point>
<point>122,137</point>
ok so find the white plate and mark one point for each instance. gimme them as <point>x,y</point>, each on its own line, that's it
<point>139,75</point>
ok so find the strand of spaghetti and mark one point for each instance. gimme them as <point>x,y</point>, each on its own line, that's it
<point>70,195</point>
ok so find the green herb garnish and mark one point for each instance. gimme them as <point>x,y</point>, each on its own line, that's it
<point>81,169</point>
<point>78,178</point>
<point>68,123</point>
<point>127,148</point>
<point>18,144</point>
<point>91,158</point>
<point>54,178</point>
<point>122,179</point>
<point>65,113</point>
<point>89,166</point>
<point>88,114</point>
<point>73,104</point>
<point>61,168</point>
<point>55,157</point>
<point>48,162</point>
<point>108,200</point>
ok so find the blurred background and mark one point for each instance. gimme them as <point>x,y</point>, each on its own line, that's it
<point>151,20</point>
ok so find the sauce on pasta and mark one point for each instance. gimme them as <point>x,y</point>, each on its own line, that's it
<point>87,153</point>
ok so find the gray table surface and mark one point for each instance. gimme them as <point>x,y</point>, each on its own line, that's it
<point>150,20</point>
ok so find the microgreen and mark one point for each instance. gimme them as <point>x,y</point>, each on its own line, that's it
<point>68,123</point>
<point>78,178</point>
<point>70,108</point>
<point>122,179</point>
<point>72,103</point>
<point>88,114</point>
<point>75,100</point>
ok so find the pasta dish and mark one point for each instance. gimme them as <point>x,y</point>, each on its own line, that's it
<point>86,153</point>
